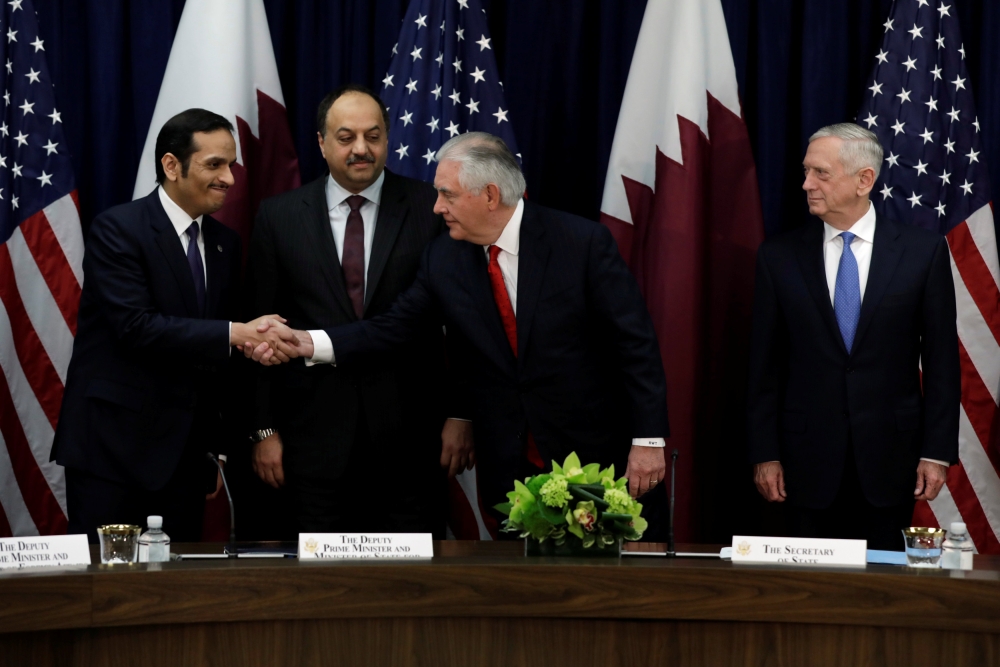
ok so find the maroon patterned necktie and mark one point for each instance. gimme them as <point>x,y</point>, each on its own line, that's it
<point>353,261</point>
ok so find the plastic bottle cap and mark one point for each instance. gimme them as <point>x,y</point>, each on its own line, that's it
<point>958,527</point>
<point>155,522</point>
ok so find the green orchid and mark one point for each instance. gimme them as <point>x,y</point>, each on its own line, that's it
<point>591,473</point>
<point>521,501</point>
<point>572,462</point>
<point>583,519</point>
<point>639,526</point>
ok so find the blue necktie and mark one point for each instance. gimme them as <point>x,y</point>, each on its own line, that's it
<point>197,268</point>
<point>847,293</point>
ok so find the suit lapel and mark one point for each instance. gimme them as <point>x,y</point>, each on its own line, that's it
<point>886,251</point>
<point>474,279</point>
<point>392,212</point>
<point>533,257</point>
<point>215,266</point>
<point>318,225</point>
<point>812,264</point>
<point>170,245</point>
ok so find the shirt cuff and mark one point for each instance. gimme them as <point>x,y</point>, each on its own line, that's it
<point>649,442</point>
<point>222,457</point>
<point>940,463</point>
<point>322,349</point>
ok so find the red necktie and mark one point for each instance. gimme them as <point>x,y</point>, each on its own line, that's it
<point>353,262</point>
<point>510,328</point>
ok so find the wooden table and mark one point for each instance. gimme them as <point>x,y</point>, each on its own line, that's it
<point>485,604</point>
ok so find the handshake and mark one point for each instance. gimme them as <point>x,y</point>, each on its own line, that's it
<point>270,341</point>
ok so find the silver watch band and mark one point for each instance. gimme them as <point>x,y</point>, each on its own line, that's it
<point>257,436</point>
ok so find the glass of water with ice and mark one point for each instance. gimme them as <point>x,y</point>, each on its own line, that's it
<point>923,546</point>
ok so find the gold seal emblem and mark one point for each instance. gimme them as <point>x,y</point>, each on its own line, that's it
<point>312,545</point>
<point>743,549</point>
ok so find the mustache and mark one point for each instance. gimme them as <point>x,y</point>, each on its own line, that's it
<point>367,157</point>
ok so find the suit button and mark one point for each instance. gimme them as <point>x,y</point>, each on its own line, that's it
<point>520,435</point>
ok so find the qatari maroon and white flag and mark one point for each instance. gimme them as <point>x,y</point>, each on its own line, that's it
<point>222,60</point>
<point>681,199</point>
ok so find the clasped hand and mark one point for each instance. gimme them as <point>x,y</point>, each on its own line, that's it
<point>273,342</point>
<point>269,334</point>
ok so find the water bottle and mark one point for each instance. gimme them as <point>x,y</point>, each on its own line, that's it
<point>154,544</point>
<point>957,549</point>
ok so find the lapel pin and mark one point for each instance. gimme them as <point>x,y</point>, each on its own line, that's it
<point>219,248</point>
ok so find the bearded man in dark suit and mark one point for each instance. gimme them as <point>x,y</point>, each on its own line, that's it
<point>340,250</point>
<point>151,388</point>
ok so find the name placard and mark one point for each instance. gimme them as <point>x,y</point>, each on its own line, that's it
<point>47,551</point>
<point>798,550</point>
<point>365,545</point>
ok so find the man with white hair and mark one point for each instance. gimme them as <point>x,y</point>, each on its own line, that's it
<point>545,323</point>
<point>854,371</point>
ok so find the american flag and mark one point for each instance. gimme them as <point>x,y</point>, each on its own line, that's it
<point>921,106</point>
<point>40,279</point>
<point>442,81</point>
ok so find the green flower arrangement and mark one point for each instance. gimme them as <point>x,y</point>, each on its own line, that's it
<point>574,503</point>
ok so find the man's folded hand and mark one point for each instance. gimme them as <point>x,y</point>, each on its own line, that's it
<point>770,480</point>
<point>458,450</point>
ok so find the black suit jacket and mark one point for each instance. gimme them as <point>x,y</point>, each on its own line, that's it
<point>587,376</point>
<point>294,271</point>
<point>809,399</point>
<point>145,361</point>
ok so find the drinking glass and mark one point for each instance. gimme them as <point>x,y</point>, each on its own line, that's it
<point>119,543</point>
<point>923,546</point>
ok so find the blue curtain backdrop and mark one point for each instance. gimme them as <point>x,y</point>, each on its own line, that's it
<point>800,64</point>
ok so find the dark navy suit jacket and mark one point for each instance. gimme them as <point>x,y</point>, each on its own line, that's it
<point>145,360</point>
<point>809,399</point>
<point>587,376</point>
<point>294,271</point>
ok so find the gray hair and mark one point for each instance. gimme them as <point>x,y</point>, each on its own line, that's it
<point>484,158</point>
<point>860,147</point>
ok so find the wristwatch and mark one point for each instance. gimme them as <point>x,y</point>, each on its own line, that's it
<point>257,436</point>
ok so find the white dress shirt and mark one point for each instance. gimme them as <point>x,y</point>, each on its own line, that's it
<point>509,243</point>
<point>336,199</point>
<point>181,221</point>
<point>861,246</point>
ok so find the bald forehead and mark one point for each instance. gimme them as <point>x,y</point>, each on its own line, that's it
<point>355,112</point>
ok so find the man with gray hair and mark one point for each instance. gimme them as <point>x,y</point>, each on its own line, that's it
<point>854,372</point>
<point>546,326</point>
